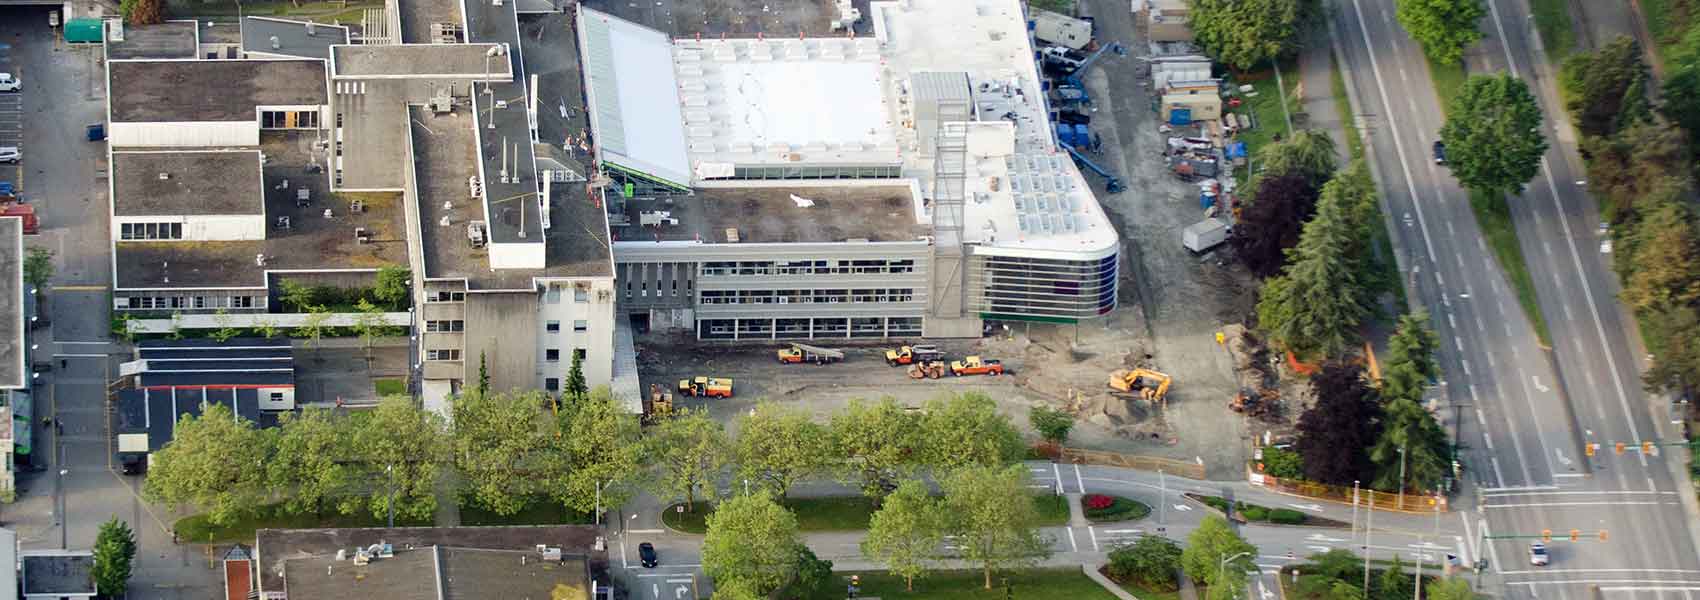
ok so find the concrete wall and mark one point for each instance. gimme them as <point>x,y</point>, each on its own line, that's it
<point>530,255</point>
<point>173,135</point>
<point>204,228</point>
<point>503,331</point>
<point>568,302</point>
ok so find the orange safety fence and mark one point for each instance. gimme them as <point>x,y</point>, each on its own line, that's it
<point>1409,502</point>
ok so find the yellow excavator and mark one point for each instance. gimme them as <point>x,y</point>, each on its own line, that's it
<point>1153,388</point>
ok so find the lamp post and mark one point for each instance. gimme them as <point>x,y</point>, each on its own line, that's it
<point>390,471</point>
<point>1222,567</point>
<point>1402,454</point>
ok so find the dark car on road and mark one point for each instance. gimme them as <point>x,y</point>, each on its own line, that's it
<point>1439,152</point>
<point>646,555</point>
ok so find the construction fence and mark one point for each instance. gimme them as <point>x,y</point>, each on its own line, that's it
<point>1409,502</point>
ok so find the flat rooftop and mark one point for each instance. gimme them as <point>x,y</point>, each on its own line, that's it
<point>420,61</point>
<point>443,159</point>
<point>276,547</point>
<point>13,372</point>
<point>885,213</point>
<point>374,126</point>
<point>171,91</point>
<point>440,572</point>
<point>287,37</point>
<point>633,95</point>
<point>784,102</point>
<point>311,242</point>
<point>208,182</point>
<point>504,134</point>
<point>57,572</point>
<point>171,39</point>
<point>1031,199</point>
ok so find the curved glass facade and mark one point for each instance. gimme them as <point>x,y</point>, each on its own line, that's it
<point>1014,288</point>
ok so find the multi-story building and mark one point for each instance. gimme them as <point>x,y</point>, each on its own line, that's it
<point>904,184</point>
<point>16,376</point>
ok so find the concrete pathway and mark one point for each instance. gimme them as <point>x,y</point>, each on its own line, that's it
<point>1188,590</point>
<point>1091,570</point>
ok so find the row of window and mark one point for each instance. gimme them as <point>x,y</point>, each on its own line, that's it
<point>443,354</point>
<point>150,231</point>
<point>809,267</point>
<point>450,326</point>
<point>807,296</point>
<point>167,302</point>
<point>445,296</point>
<point>290,119</point>
<point>579,326</point>
<point>554,354</point>
<point>643,291</point>
<point>581,294</point>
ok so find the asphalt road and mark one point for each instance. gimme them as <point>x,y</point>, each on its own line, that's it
<point>1526,411</point>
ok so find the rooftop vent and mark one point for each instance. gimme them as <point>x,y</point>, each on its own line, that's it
<point>164,176</point>
<point>275,43</point>
<point>311,31</point>
<point>260,260</point>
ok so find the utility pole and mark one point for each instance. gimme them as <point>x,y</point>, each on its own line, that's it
<point>1369,530</point>
<point>1163,498</point>
<point>390,470</point>
<point>1402,477</point>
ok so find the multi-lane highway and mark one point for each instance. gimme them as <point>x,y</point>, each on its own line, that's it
<point>1525,412</point>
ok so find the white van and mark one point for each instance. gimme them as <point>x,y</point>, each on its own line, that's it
<point>8,83</point>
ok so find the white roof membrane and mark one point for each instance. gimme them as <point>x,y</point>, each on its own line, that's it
<point>634,96</point>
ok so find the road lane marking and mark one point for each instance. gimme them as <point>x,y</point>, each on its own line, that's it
<point>1565,504</point>
<point>1078,480</point>
<point>1057,477</point>
<point>1486,494</point>
<point>1398,142</point>
<point>1071,544</point>
<point>1094,535</point>
<point>1466,367</point>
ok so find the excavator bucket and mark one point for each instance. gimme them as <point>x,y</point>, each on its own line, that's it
<point>1123,380</point>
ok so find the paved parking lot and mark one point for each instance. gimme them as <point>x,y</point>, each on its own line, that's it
<point>11,112</point>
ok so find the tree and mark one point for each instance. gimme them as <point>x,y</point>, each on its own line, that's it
<point>1315,306</point>
<point>1309,153</point>
<point>38,266</point>
<point>496,445</point>
<point>390,286</point>
<point>1210,544</point>
<point>114,555</point>
<point>400,452</point>
<point>215,461</point>
<point>576,387</point>
<point>1151,561</point>
<point>879,442</point>
<point>1443,27</point>
<point>225,330</point>
<point>689,450</point>
<point>368,322</point>
<point>905,534</point>
<point>266,326</point>
<point>1053,425</point>
<point>1493,134</point>
<point>1605,90</point>
<point>1244,33</point>
<point>311,461</point>
<point>1413,445</point>
<point>811,577</point>
<point>1336,432</point>
<point>1642,166</point>
<point>1410,364</point>
<point>1271,222</point>
<point>1681,97</point>
<point>313,326</point>
<point>777,445</point>
<point>1676,365</point>
<point>1394,584</point>
<point>1665,259</point>
<point>752,543</point>
<point>966,429</point>
<point>1449,588</point>
<point>597,453</point>
<point>299,297</point>
<point>121,327</point>
<point>992,517</point>
<point>483,386</point>
<point>176,332</point>
<point>142,12</point>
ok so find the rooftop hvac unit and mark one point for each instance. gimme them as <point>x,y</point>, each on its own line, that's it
<point>311,31</point>
<point>477,234</point>
<point>362,235</point>
<point>275,44</point>
<point>260,260</point>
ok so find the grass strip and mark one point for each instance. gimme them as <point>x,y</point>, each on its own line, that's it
<point>1494,217</point>
<point>840,513</point>
<point>1067,583</point>
<point>1552,19</point>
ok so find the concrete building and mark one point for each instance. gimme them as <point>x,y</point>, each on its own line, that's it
<point>321,160</point>
<point>56,574</point>
<point>559,562</point>
<point>16,376</point>
<point>897,185</point>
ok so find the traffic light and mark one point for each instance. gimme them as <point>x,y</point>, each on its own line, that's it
<point>1620,447</point>
<point>1575,535</point>
<point>1646,447</point>
<point>1546,535</point>
<point>1588,448</point>
<point>1602,535</point>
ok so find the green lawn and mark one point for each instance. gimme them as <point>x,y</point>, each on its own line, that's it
<point>841,513</point>
<point>1348,117</point>
<point>1146,593</point>
<point>1265,109</point>
<point>1552,18</point>
<point>1027,584</point>
<point>195,528</point>
<point>1265,514</point>
<point>387,386</point>
<point>1448,80</point>
<point>1494,216</point>
<point>1666,21</point>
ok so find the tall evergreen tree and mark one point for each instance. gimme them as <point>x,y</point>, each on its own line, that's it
<point>114,556</point>
<point>1410,361</point>
<point>1316,305</point>
<point>1412,444</point>
<point>1336,432</point>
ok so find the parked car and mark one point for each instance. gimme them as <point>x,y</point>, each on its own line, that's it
<point>10,154</point>
<point>646,555</point>
<point>1439,152</point>
<point>8,83</point>
<point>1538,554</point>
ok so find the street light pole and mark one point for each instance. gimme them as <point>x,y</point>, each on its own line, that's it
<point>1369,531</point>
<point>1163,498</point>
<point>390,471</point>
<point>1222,567</point>
<point>1402,477</point>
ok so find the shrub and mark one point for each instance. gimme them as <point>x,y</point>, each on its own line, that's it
<point>1099,501</point>
<point>1286,516</point>
<point>1151,560</point>
<point>1285,464</point>
<point>1253,512</point>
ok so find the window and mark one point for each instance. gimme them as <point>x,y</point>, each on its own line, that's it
<point>578,354</point>
<point>446,296</point>
<point>290,119</point>
<point>241,301</point>
<point>552,355</point>
<point>552,326</point>
<point>277,396</point>
<point>552,384</point>
<point>150,231</point>
<point>581,325</point>
<point>443,354</point>
<point>581,294</point>
<point>447,326</point>
<point>552,295</point>
<point>200,301</point>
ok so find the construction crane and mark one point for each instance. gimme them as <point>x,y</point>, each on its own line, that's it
<point>1072,89</point>
<point>1112,184</point>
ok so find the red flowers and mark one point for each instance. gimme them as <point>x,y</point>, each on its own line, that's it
<point>1098,501</point>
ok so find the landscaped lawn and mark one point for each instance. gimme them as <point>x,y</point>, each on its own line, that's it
<point>1029,584</point>
<point>1348,117</point>
<point>195,528</point>
<point>1494,216</point>
<point>1448,80</point>
<point>1120,509</point>
<point>840,513</point>
<point>1552,18</point>
<point>1267,114</point>
<point>1265,514</point>
<point>1145,593</point>
<point>1666,20</point>
<point>390,387</point>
